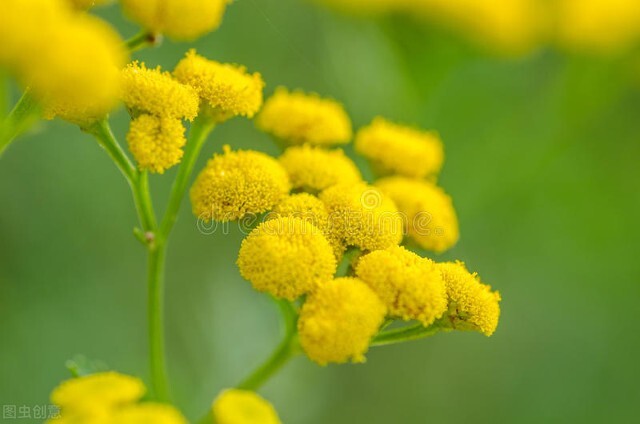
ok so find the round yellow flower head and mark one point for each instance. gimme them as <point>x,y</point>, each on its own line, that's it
<point>362,216</point>
<point>243,407</point>
<point>313,169</point>
<point>238,183</point>
<point>97,392</point>
<point>429,217</point>
<point>472,305</point>
<point>156,142</point>
<point>228,90</point>
<point>298,118</point>
<point>397,149</point>
<point>286,257</point>
<point>337,322</point>
<point>178,19</point>
<point>157,93</point>
<point>410,286</point>
<point>148,413</point>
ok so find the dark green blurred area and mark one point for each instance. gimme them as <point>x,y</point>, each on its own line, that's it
<point>543,166</point>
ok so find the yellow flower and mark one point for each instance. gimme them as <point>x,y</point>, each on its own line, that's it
<point>243,407</point>
<point>156,92</point>
<point>148,413</point>
<point>97,392</point>
<point>86,4</point>
<point>298,118</point>
<point>238,183</point>
<point>156,142</point>
<point>362,216</point>
<point>286,257</point>
<point>337,322</point>
<point>429,217</point>
<point>178,19</point>
<point>313,169</point>
<point>397,149</point>
<point>410,286</point>
<point>227,89</point>
<point>472,305</point>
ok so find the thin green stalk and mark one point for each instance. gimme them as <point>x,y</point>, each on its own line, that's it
<point>413,332</point>
<point>141,40</point>
<point>21,117</point>
<point>155,310</point>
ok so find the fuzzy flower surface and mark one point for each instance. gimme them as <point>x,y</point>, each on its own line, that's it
<point>156,142</point>
<point>472,304</point>
<point>429,216</point>
<point>227,90</point>
<point>337,322</point>
<point>410,286</point>
<point>286,257</point>
<point>299,118</point>
<point>237,183</point>
<point>398,149</point>
<point>147,413</point>
<point>235,406</point>
<point>313,169</point>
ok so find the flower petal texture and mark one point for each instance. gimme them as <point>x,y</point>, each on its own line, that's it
<point>235,406</point>
<point>156,142</point>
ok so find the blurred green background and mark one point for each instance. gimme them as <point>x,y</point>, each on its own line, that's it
<point>543,165</point>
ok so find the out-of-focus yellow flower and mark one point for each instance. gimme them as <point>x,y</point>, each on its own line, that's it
<point>298,118</point>
<point>243,407</point>
<point>313,169</point>
<point>472,305</point>
<point>156,142</point>
<point>228,90</point>
<point>156,92</point>
<point>238,183</point>
<point>337,322</point>
<point>397,149</point>
<point>147,413</point>
<point>410,286</point>
<point>429,217</point>
<point>361,216</point>
<point>86,4</point>
<point>178,19</point>
<point>286,257</point>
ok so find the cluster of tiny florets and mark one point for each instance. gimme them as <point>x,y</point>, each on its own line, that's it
<point>235,406</point>
<point>156,142</point>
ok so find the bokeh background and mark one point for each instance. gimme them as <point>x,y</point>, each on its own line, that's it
<point>543,165</point>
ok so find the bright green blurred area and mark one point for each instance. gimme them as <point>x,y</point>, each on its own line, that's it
<point>543,165</point>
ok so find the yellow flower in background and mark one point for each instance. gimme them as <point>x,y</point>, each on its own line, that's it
<point>237,183</point>
<point>228,90</point>
<point>178,19</point>
<point>147,413</point>
<point>286,257</point>
<point>158,93</point>
<point>243,407</point>
<point>398,149</point>
<point>472,305</point>
<point>429,216</point>
<point>360,215</point>
<point>337,322</point>
<point>299,118</point>
<point>313,169</point>
<point>410,286</point>
<point>156,142</point>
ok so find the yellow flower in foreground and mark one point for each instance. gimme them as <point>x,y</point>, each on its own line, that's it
<point>156,143</point>
<point>298,118</point>
<point>238,183</point>
<point>314,169</point>
<point>148,413</point>
<point>227,89</point>
<point>410,286</point>
<point>472,305</point>
<point>243,407</point>
<point>178,19</point>
<point>429,217</point>
<point>97,392</point>
<point>397,149</point>
<point>362,216</point>
<point>286,257</point>
<point>337,322</point>
<point>156,92</point>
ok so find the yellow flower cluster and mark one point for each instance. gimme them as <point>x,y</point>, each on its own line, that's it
<point>178,19</point>
<point>238,183</point>
<point>243,407</point>
<point>69,60</point>
<point>109,398</point>
<point>228,90</point>
<point>156,142</point>
<point>299,118</point>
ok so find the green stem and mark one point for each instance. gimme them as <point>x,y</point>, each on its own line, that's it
<point>21,117</point>
<point>155,310</point>
<point>141,40</point>
<point>413,332</point>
